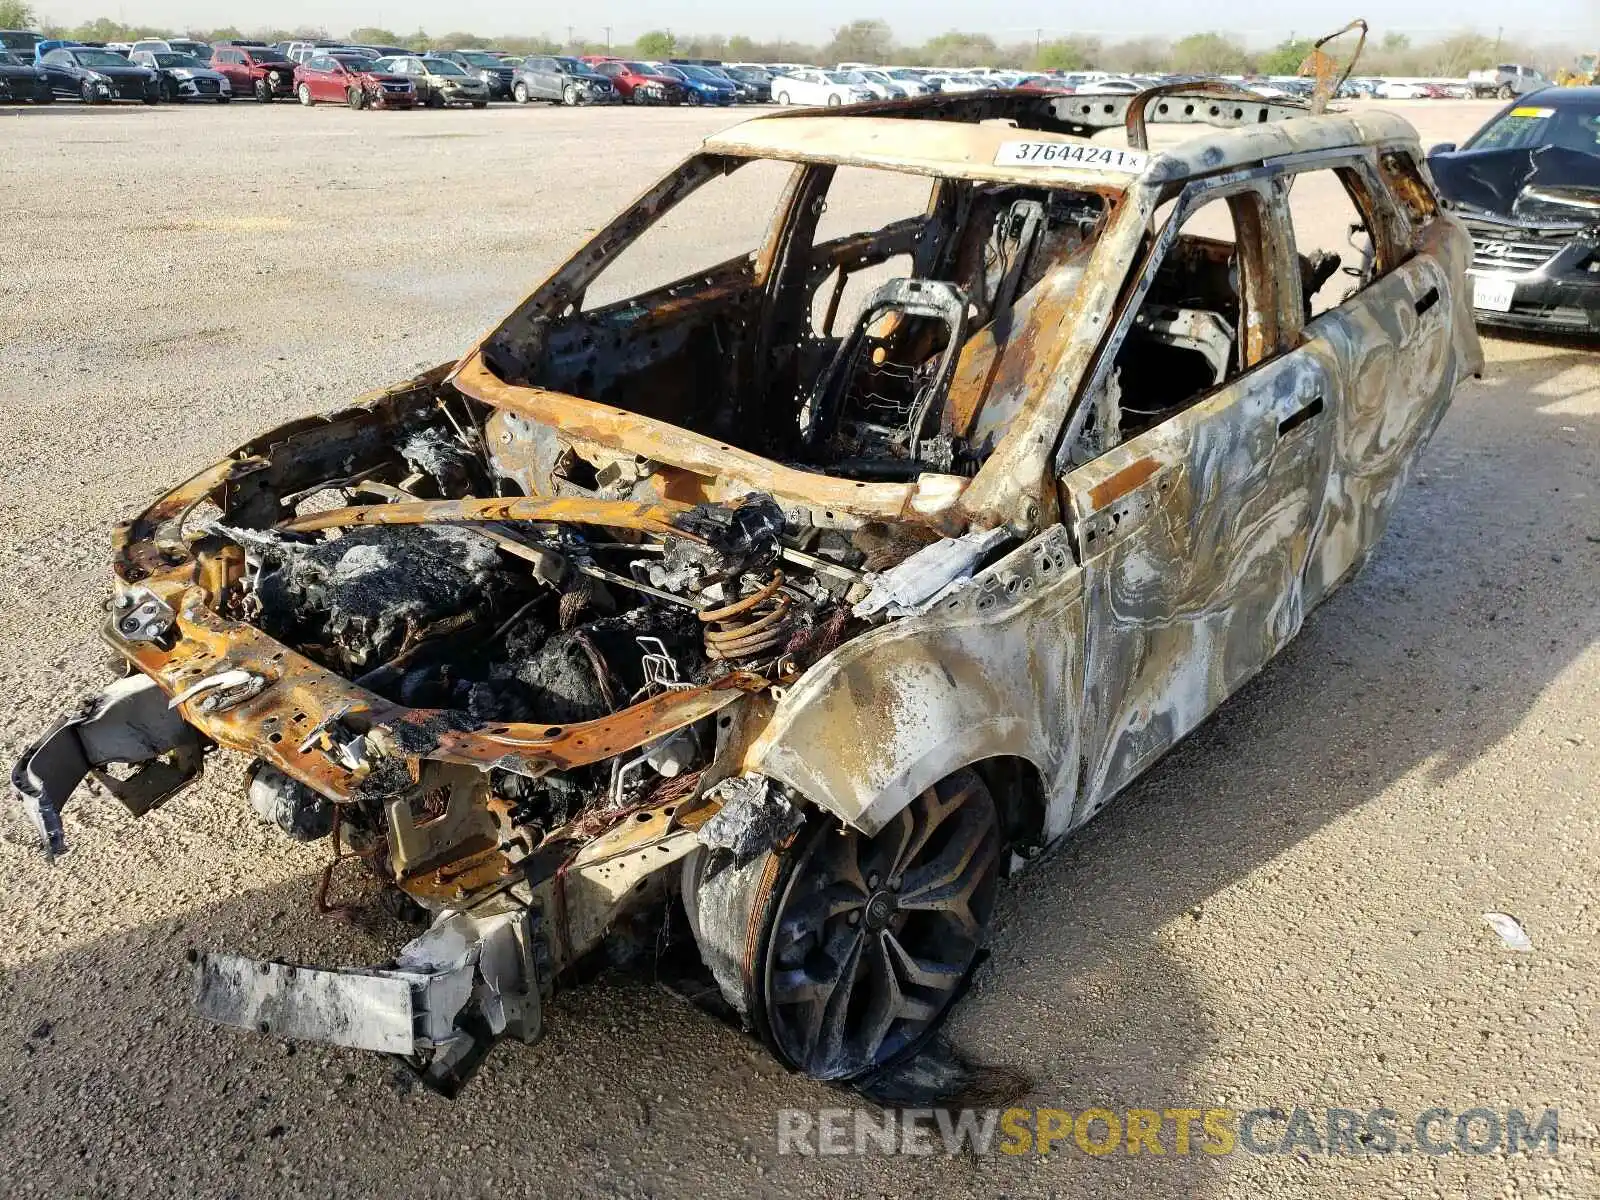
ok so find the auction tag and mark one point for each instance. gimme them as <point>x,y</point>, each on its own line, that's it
<point>1540,113</point>
<point>1071,154</point>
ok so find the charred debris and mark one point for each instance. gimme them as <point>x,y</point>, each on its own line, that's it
<point>423,583</point>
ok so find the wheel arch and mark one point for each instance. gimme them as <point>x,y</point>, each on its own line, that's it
<point>888,715</point>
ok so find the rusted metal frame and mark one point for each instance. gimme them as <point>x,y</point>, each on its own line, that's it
<point>1360,165</point>
<point>1410,195</point>
<point>586,742</point>
<point>1092,114</point>
<point>1134,119</point>
<point>1016,485</point>
<point>150,543</point>
<point>1253,180</point>
<point>653,518</point>
<point>740,470</point>
<point>300,695</point>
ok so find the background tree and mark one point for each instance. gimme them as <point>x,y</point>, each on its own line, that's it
<point>371,35</point>
<point>14,14</point>
<point>1284,58</point>
<point>658,43</point>
<point>1209,54</point>
<point>1066,54</point>
<point>860,41</point>
<point>956,49</point>
<point>1136,55</point>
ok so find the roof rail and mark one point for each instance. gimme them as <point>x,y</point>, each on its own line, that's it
<point>1219,104</point>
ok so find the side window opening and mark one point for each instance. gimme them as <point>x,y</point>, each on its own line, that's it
<point>1184,338</point>
<point>860,201</point>
<point>1330,211</point>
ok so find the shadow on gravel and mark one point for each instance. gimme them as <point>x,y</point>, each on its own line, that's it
<point>1416,668</point>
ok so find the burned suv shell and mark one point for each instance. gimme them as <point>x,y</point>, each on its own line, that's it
<point>676,596</point>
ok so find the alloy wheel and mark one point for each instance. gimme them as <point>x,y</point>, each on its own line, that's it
<point>873,937</point>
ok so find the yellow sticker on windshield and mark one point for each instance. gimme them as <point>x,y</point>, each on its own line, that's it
<point>1533,112</point>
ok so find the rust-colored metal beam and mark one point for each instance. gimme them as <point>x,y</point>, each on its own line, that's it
<point>656,518</point>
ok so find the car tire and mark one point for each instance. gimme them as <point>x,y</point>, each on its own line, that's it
<point>304,92</point>
<point>356,98</point>
<point>152,99</point>
<point>44,96</point>
<point>783,98</point>
<point>835,102</point>
<point>169,91</point>
<point>1505,92</point>
<point>90,96</point>
<point>569,96</point>
<point>520,93</point>
<point>435,100</point>
<point>224,99</point>
<point>693,99</point>
<point>478,104</point>
<point>906,913</point>
<point>263,92</point>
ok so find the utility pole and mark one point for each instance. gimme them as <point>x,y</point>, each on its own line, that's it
<point>569,37</point>
<point>608,39</point>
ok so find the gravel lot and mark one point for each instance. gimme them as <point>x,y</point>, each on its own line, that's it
<point>1286,911</point>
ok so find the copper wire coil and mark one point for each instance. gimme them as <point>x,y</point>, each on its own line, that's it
<point>750,625</point>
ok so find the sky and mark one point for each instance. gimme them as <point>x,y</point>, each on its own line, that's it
<point>1258,21</point>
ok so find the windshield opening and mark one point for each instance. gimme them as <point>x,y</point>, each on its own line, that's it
<point>442,66</point>
<point>479,59</point>
<point>844,362</point>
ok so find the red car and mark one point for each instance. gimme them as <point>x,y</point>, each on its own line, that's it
<point>252,70</point>
<point>1046,83</point>
<point>350,79</point>
<point>637,82</point>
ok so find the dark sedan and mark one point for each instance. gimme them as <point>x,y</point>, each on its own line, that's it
<point>22,81</point>
<point>98,76</point>
<point>1527,185</point>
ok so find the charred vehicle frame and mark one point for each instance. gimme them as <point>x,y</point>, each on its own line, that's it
<point>819,632</point>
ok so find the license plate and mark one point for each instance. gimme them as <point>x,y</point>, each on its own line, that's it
<point>1492,294</point>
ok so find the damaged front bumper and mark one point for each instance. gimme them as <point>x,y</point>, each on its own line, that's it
<point>441,1004</point>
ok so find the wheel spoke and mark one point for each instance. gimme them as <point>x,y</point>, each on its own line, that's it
<point>833,1028</point>
<point>886,1004</point>
<point>921,972</point>
<point>931,812</point>
<point>855,973</point>
<point>953,875</point>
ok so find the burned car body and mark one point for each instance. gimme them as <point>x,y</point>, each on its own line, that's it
<point>1527,186</point>
<point>706,593</point>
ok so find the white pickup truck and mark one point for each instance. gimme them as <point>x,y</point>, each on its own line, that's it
<point>1506,81</point>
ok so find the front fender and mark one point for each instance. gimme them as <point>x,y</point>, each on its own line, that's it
<point>995,669</point>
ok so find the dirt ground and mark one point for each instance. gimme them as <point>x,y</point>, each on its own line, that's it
<point>1286,911</point>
